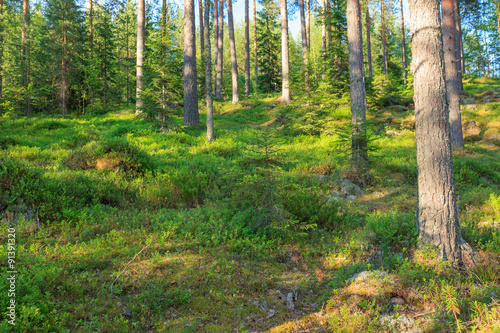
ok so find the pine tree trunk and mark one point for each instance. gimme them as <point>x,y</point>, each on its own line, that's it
<point>328,25</point>
<point>216,45</point>
<point>247,50</point>
<point>303,30</point>
<point>437,211</point>
<point>357,86</point>
<point>452,83</point>
<point>384,39</point>
<point>285,97</point>
<point>91,28</point>
<point>368,40</point>
<point>140,56</point>
<point>220,60</point>
<point>308,24</point>
<point>128,60</point>
<point>460,46</point>
<point>232,49</point>
<point>255,45</point>
<point>323,30</point>
<point>208,75</point>
<point>1,57</point>
<point>403,42</point>
<point>25,54</point>
<point>64,83</point>
<point>202,34</point>
<point>191,115</point>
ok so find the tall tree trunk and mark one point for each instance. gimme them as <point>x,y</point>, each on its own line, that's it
<point>191,115</point>
<point>247,50</point>
<point>323,30</point>
<point>216,46</point>
<point>255,45</point>
<point>1,57</point>
<point>232,49</point>
<point>437,211</point>
<point>220,60</point>
<point>368,39</point>
<point>202,34</point>
<point>303,30</point>
<point>140,56</point>
<point>128,60</point>
<point>452,83</point>
<point>25,54</point>
<point>208,75</point>
<point>458,34</point>
<point>403,41</point>
<point>91,28</point>
<point>285,97</point>
<point>163,113</point>
<point>64,84</point>
<point>308,24</point>
<point>460,46</point>
<point>328,24</point>
<point>384,39</point>
<point>357,86</point>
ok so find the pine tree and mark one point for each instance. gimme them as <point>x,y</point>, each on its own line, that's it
<point>191,115</point>
<point>232,47</point>
<point>285,96</point>
<point>141,17</point>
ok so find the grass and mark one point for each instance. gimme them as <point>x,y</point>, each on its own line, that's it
<point>122,228</point>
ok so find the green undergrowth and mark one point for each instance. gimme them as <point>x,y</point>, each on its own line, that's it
<point>121,226</point>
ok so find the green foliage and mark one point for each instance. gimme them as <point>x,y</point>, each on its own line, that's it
<point>268,49</point>
<point>392,230</point>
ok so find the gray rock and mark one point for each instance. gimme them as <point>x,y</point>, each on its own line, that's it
<point>349,188</point>
<point>397,300</point>
<point>399,323</point>
<point>367,276</point>
<point>392,132</point>
<point>467,100</point>
<point>471,106</point>
<point>289,301</point>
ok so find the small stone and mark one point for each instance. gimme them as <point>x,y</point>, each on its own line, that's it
<point>397,300</point>
<point>289,301</point>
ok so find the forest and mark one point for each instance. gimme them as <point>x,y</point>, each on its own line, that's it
<point>250,166</point>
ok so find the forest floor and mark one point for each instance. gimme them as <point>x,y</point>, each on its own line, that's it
<point>123,227</point>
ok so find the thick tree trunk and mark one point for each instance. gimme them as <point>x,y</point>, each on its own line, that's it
<point>255,45</point>
<point>403,42</point>
<point>232,49</point>
<point>452,83</point>
<point>303,30</point>
<point>191,115</point>
<point>208,75</point>
<point>285,97</point>
<point>140,57</point>
<point>220,64</point>
<point>368,40</point>
<point>384,39</point>
<point>247,50</point>
<point>458,43</point>
<point>216,45</point>
<point>437,211</point>
<point>1,57</point>
<point>357,86</point>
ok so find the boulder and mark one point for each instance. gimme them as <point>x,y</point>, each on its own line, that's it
<point>492,135</point>
<point>471,131</point>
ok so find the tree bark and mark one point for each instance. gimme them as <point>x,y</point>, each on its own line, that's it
<point>220,64</point>
<point>1,57</point>
<point>255,45</point>
<point>216,45</point>
<point>303,30</point>
<point>64,84</point>
<point>247,50</point>
<point>384,39</point>
<point>323,30</point>
<point>308,24</point>
<point>232,49</point>
<point>368,40</point>
<point>328,25</point>
<point>460,46</point>
<point>357,86</point>
<point>25,54</point>
<point>437,211</point>
<point>403,41</point>
<point>202,34</point>
<point>91,28</point>
<point>285,97</point>
<point>128,60</point>
<point>140,57</point>
<point>208,75</point>
<point>191,115</point>
<point>452,83</point>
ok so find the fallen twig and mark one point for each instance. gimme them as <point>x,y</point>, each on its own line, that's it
<point>112,283</point>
